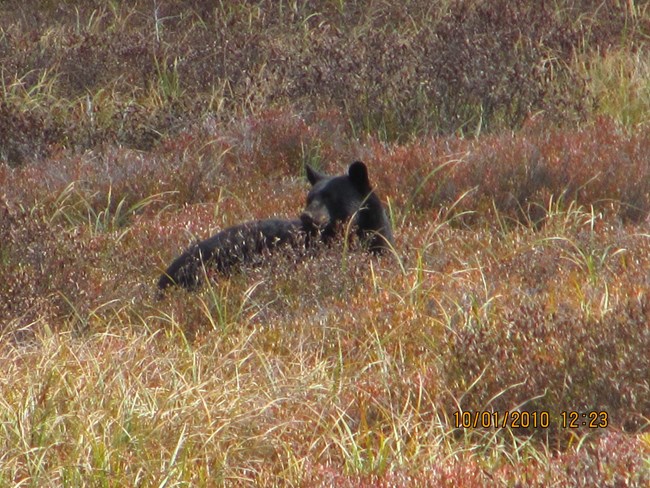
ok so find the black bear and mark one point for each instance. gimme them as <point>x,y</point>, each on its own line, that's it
<point>332,201</point>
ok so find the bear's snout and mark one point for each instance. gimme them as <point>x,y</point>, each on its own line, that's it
<point>315,215</point>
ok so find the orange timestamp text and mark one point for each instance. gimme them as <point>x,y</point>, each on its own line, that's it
<point>529,420</point>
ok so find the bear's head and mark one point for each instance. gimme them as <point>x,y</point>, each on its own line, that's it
<point>333,200</point>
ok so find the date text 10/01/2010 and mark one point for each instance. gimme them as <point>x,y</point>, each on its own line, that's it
<point>527,420</point>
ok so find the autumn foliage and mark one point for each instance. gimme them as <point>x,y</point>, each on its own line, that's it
<point>510,143</point>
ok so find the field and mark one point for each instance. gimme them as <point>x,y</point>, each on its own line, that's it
<point>510,142</point>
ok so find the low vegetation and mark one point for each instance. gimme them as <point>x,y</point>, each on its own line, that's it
<point>510,142</point>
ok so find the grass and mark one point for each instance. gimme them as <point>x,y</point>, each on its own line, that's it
<point>619,82</point>
<point>515,165</point>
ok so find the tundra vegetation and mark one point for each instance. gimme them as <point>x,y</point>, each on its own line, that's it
<point>510,142</point>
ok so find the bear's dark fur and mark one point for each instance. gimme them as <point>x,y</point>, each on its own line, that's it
<point>332,201</point>
<point>242,244</point>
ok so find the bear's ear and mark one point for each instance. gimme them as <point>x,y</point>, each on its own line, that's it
<point>358,174</point>
<point>312,175</point>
